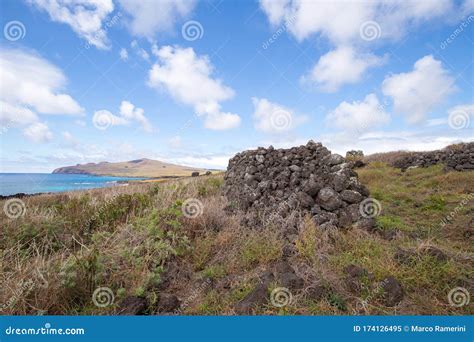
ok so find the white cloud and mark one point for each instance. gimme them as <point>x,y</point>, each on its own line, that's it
<point>38,133</point>
<point>123,54</point>
<point>32,85</point>
<point>436,122</point>
<point>141,52</point>
<point>467,109</point>
<point>387,141</point>
<point>416,93</point>
<point>221,121</point>
<point>468,7</point>
<point>69,140</point>
<point>270,117</point>
<point>341,66</point>
<point>154,49</point>
<point>217,161</point>
<point>340,21</point>
<point>85,17</point>
<point>150,17</point>
<point>356,24</point>
<point>130,112</point>
<point>11,114</point>
<point>359,116</point>
<point>187,77</point>
<point>31,81</point>
<point>104,118</point>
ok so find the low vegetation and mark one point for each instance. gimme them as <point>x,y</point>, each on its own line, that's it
<point>142,241</point>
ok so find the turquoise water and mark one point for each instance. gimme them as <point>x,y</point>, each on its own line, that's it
<point>31,183</point>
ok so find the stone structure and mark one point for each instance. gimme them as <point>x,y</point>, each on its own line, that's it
<point>457,157</point>
<point>307,178</point>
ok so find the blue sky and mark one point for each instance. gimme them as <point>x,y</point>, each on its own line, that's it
<point>194,82</point>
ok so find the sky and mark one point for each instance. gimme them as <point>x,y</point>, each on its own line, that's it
<point>194,82</point>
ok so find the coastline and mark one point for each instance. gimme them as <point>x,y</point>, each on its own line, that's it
<point>117,183</point>
<point>127,182</point>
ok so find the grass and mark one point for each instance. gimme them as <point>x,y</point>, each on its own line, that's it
<point>131,239</point>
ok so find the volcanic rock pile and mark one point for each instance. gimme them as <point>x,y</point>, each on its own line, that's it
<point>307,178</point>
<point>458,157</point>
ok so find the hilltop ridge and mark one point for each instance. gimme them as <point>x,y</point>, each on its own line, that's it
<point>143,167</point>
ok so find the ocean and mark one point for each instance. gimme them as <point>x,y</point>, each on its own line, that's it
<point>31,183</point>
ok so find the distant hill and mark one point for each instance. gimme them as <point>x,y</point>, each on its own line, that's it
<point>133,168</point>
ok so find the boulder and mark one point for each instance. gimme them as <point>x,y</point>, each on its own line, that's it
<point>132,305</point>
<point>329,199</point>
<point>258,296</point>
<point>393,291</point>
<point>168,302</point>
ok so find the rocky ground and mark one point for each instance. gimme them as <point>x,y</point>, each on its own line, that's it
<point>181,247</point>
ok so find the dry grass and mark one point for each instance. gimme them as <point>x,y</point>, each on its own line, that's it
<point>131,238</point>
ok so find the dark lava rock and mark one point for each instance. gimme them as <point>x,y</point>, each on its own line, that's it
<point>132,306</point>
<point>355,275</point>
<point>286,276</point>
<point>435,252</point>
<point>311,187</point>
<point>393,291</point>
<point>366,224</point>
<point>351,196</point>
<point>258,296</point>
<point>329,199</point>
<point>316,292</point>
<point>456,157</point>
<point>404,257</point>
<point>306,201</point>
<point>355,271</point>
<point>308,178</point>
<point>389,234</point>
<point>289,250</point>
<point>168,302</point>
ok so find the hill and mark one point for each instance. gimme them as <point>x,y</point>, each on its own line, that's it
<point>133,168</point>
<point>178,247</point>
